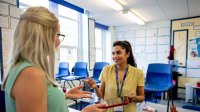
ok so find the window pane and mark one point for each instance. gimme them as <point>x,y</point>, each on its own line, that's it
<point>67,12</point>
<point>98,55</point>
<point>44,3</point>
<point>68,55</point>
<point>70,29</point>
<point>98,38</point>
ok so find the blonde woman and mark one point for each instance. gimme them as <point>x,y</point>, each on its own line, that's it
<point>30,85</point>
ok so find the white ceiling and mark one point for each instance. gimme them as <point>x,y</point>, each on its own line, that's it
<point>152,10</point>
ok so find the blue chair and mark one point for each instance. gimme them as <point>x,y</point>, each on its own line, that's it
<point>80,72</point>
<point>63,73</point>
<point>63,70</point>
<point>80,69</point>
<point>191,107</point>
<point>98,67</point>
<point>159,79</point>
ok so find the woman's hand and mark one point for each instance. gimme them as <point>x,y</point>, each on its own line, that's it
<point>132,98</point>
<point>94,108</point>
<point>76,93</point>
<point>91,83</point>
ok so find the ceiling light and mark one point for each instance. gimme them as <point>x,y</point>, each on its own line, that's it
<point>113,4</point>
<point>133,17</point>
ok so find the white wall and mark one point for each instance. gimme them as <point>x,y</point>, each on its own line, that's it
<point>9,17</point>
<point>150,42</point>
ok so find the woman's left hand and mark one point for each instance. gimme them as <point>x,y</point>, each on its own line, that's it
<point>76,93</point>
<point>132,98</point>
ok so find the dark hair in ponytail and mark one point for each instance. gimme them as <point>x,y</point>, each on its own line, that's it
<point>127,46</point>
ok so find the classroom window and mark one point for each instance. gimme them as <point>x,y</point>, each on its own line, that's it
<point>98,45</point>
<point>25,3</point>
<point>69,26</point>
<point>102,45</point>
<point>69,22</point>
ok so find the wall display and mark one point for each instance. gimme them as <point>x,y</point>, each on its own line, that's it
<point>192,25</point>
<point>194,46</point>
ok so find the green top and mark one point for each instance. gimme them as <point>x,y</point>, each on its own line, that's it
<point>55,97</point>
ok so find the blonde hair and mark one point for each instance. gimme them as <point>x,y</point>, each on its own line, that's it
<point>34,40</point>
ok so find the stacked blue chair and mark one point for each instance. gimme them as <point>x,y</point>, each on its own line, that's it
<point>80,72</point>
<point>98,67</point>
<point>63,70</point>
<point>159,79</point>
<point>63,73</point>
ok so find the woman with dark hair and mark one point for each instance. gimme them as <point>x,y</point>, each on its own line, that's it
<point>121,78</point>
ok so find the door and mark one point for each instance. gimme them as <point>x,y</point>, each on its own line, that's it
<point>180,46</point>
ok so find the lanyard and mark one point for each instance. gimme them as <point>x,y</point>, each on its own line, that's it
<point>119,90</point>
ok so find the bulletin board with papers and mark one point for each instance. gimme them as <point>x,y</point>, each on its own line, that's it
<point>192,44</point>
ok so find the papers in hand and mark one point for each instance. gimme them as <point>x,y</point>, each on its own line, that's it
<point>149,109</point>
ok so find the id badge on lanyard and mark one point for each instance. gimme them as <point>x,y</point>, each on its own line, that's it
<point>119,89</point>
<point>118,109</point>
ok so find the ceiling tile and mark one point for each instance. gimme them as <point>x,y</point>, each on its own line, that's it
<point>194,8</point>
<point>174,9</point>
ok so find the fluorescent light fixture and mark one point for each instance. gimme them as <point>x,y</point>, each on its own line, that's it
<point>113,4</point>
<point>133,17</point>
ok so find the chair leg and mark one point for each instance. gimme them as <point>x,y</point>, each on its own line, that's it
<point>168,96</point>
<point>69,84</point>
<point>172,96</point>
<point>73,83</point>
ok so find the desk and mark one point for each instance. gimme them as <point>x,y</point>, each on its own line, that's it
<point>190,92</point>
<point>194,92</point>
<point>160,107</point>
<point>73,110</point>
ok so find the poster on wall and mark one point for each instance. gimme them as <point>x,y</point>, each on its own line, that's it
<point>194,46</point>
